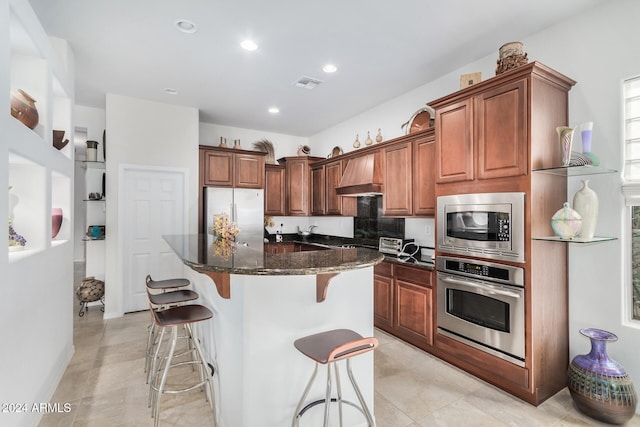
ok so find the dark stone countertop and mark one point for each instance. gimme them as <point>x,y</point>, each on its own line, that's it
<point>198,252</point>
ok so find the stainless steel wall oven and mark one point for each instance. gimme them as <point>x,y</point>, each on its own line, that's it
<point>482,304</point>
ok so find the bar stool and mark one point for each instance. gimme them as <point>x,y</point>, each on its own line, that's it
<point>164,294</point>
<point>327,348</point>
<point>182,316</point>
<point>166,285</point>
<point>158,302</point>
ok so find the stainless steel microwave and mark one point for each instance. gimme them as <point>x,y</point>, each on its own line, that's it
<point>482,225</point>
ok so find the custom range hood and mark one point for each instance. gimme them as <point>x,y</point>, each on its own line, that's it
<point>362,176</point>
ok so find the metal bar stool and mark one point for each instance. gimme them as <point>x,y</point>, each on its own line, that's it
<point>327,348</point>
<point>156,288</point>
<point>182,316</point>
<point>163,301</point>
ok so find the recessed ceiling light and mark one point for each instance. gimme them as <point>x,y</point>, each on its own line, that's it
<point>249,45</point>
<point>274,110</point>
<point>186,26</point>
<point>170,91</point>
<point>329,68</point>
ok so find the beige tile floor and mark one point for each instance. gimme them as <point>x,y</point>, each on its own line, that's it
<point>105,385</point>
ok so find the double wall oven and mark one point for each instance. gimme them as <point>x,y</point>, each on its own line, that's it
<point>481,302</point>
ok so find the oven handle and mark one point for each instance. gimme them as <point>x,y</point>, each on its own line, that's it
<point>492,289</point>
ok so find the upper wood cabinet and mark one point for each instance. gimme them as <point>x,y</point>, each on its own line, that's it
<point>298,185</point>
<point>424,185</point>
<point>397,199</point>
<point>225,167</point>
<point>325,200</point>
<point>274,190</point>
<point>483,136</point>
<point>318,195</point>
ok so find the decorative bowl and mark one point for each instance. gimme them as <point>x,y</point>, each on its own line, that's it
<point>56,221</point>
<point>566,222</point>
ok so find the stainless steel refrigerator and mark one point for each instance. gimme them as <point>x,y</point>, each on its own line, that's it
<point>244,206</point>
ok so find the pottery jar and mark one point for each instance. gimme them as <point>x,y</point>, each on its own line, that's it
<point>23,108</point>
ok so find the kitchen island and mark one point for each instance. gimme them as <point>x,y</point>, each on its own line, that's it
<point>262,304</point>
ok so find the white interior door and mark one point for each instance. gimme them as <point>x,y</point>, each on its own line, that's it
<point>154,204</point>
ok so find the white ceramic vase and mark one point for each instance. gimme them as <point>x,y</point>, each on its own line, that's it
<point>585,202</point>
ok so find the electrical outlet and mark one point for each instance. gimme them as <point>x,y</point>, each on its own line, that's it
<point>427,230</point>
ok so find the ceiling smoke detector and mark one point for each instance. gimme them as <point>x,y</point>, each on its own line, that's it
<point>307,82</point>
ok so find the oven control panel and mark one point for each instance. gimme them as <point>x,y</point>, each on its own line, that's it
<point>482,269</point>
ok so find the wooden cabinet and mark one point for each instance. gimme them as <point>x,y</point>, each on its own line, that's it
<point>280,248</point>
<point>325,178</point>
<point>483,136</point>
<point>383,296</point>
<point>489,138</point>
<point>224,167</point>
<point>318,195</point>
<point>403,304</point>
<point>413,304</point>
<point>424,185</point>
<point>274,190</point>
<point>298,185</point>
<point>397,178</point>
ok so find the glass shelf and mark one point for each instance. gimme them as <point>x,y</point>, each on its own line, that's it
<point>576,239</point>
<point>91,239</point>
<point>570,171</point>
<point>94,200</point>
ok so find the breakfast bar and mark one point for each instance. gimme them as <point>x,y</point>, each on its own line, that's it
<point>262,303</point>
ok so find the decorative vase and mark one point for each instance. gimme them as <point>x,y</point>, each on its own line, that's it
<point>356,143</point>
<point>236,144</point>
<point>585,202</point>
<point>56,221</point>
<point>566,141</point>
<point>586,133</point>
<point>566,222</point>
<point>223,142</point>
<point>368,141</point>
<point>600,386</point>
<point>379,136</point>
<point>92,151</point>
<point>23,108</point>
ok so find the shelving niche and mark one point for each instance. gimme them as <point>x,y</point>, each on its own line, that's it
<point>38,279</point>
<point>569,172</point>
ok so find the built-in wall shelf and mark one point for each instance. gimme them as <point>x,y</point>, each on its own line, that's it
<point>570,171</point>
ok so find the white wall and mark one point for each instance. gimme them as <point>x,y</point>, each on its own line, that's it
<point>597,49</point>
<point>283,145</point>
<point>145,133</point>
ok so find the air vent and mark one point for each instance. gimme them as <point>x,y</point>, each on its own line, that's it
<point>307,82</point>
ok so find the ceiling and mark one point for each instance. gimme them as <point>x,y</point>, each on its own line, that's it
<point>382,48</point>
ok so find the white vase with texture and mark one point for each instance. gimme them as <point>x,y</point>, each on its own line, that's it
<point>585,202</point>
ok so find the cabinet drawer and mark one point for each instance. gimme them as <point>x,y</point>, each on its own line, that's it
<point>413,275</point>
<point>383,269</point>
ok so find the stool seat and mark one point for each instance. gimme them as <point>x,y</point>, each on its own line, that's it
<point>327,348</point>
<point>173,297</point>
<point>178,316</point>
<point>166,284</point>
<point>331,346</point>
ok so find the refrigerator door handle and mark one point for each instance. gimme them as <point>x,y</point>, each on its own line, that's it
<point>234,212</point>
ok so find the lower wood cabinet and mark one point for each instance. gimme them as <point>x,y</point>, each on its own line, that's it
<point>403,304</point>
